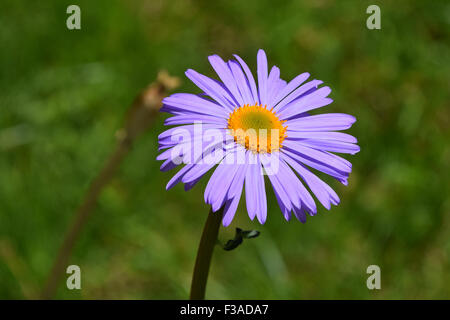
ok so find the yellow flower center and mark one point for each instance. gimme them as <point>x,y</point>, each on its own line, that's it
<point>257,128</point>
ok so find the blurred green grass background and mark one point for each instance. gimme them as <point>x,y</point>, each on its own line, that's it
<point>63,95</point>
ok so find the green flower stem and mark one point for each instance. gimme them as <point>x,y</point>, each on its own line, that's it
<point>204,254</point>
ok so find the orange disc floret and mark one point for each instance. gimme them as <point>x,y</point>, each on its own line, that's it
<point>257,128</point>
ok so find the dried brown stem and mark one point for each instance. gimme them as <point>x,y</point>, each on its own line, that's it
<point>139,117</point>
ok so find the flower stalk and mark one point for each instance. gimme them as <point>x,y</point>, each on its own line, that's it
<point>204,254</point>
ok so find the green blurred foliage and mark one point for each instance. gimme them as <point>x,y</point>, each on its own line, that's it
<point>63,95</point>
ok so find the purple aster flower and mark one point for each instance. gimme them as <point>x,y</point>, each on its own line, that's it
<point>246,130</point>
